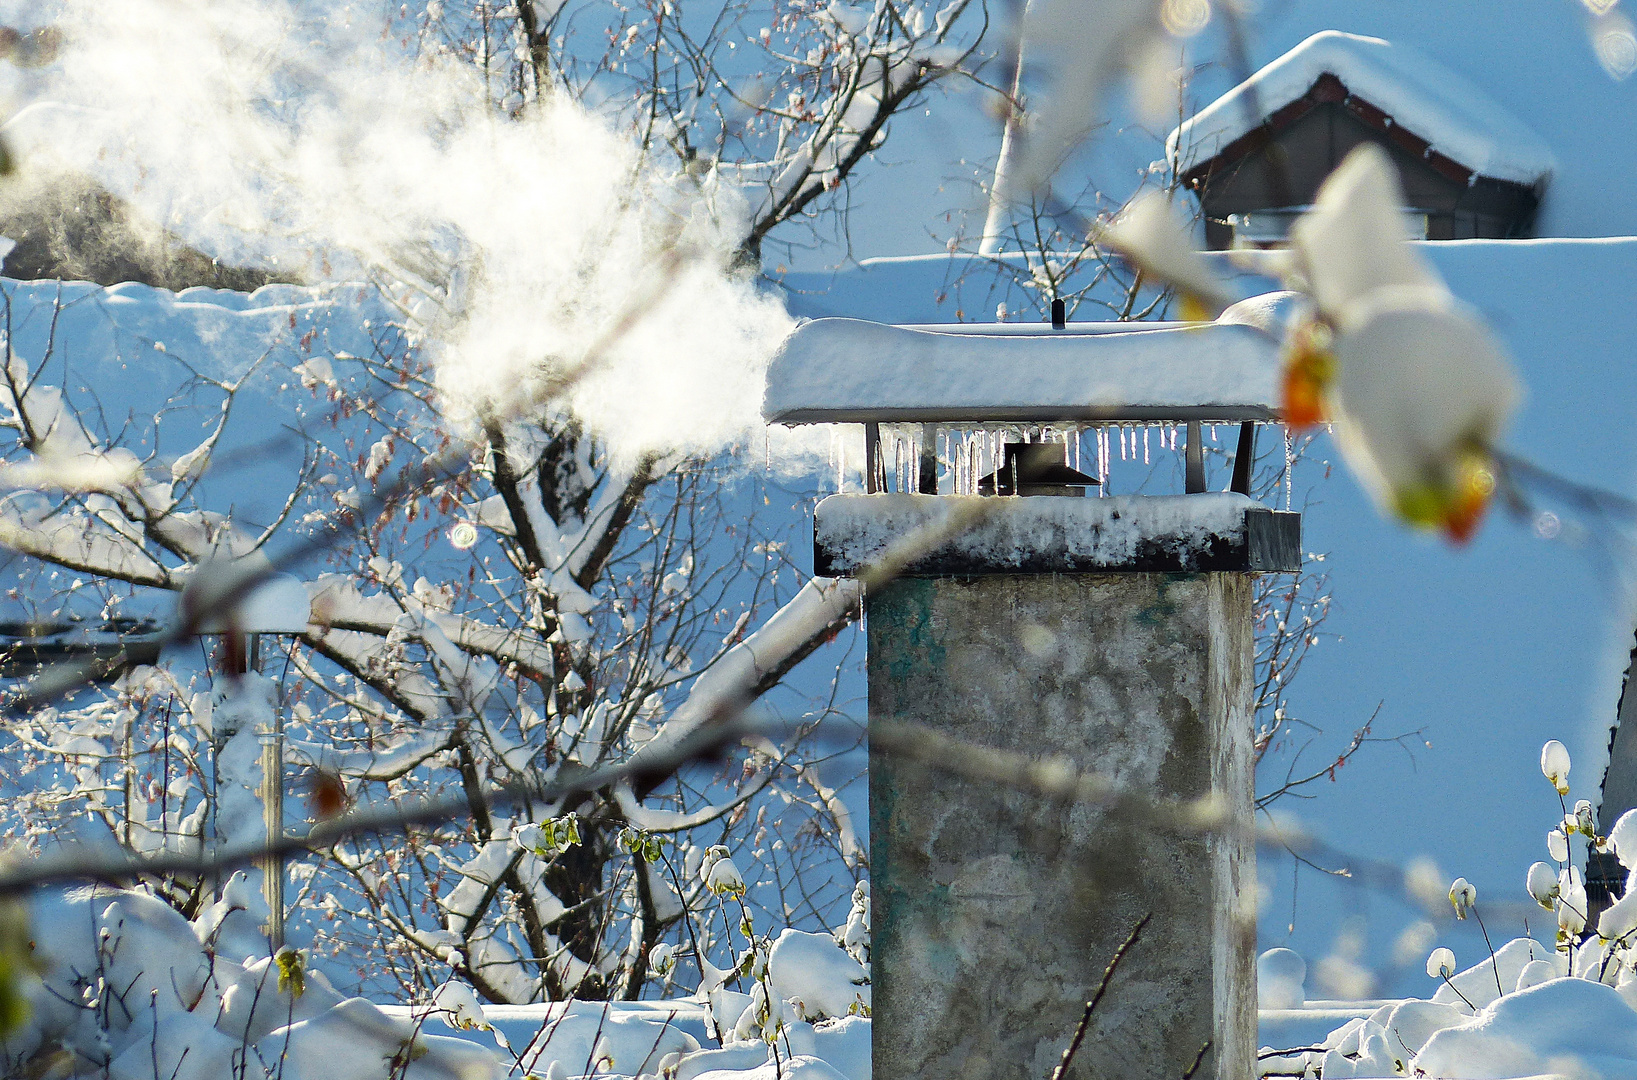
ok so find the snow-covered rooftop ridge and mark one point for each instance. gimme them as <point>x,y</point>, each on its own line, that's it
<point>1420,94</point>
<point>850,370</point>
<point>277,604</point>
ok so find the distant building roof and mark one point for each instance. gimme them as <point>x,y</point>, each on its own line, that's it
<point>75,214</point>
<point>1407,89</point>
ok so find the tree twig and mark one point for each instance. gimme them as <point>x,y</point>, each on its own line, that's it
<point>1199,1059</point>
<point>1102,988</point>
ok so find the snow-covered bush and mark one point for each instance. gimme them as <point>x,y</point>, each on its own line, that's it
<point>126,987</point>
<point>1567,1007</point>
<point>118,983</point>
<point>797,977</point>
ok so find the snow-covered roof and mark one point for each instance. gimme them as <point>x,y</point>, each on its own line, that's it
<point>1418,93</point>
<point>57,142</point>
<point>850,370</point>
<point>278,604</point>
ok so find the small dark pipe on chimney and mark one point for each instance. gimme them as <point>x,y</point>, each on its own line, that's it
<point>1244,461</point>
<point>928,479</point>
<point>1194,459</point>
<point>1060,314</point>
<point>872,455</point>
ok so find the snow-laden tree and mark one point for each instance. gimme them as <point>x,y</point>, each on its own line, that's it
<point>533,567</point>
<point>504,611</point>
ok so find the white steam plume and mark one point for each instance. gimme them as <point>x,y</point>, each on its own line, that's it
<point>267,132</point>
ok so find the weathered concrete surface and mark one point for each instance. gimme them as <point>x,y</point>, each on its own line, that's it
<point>995,915</point>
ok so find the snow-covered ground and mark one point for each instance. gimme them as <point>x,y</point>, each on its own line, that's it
<point>628,1038</point>
<point>1544,1024</point>
<point>130,989</point>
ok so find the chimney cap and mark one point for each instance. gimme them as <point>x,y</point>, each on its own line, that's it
<point>853,371</point>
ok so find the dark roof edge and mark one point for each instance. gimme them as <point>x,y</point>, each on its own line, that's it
<point>1326,89</point>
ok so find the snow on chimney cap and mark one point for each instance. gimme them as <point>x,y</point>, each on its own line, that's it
<point>853,371</point>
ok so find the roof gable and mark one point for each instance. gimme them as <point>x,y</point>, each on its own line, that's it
<point>1391,87</point>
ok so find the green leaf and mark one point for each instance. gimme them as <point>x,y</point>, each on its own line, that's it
<point>292,975</point>
<point>16,963</point>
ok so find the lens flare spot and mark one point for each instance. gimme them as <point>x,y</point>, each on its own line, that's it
<point>463,536</point>
<point>1185,18</point>
<point>1616,45</point>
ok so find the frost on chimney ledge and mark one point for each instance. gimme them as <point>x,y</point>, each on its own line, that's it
<point>972,535</point>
